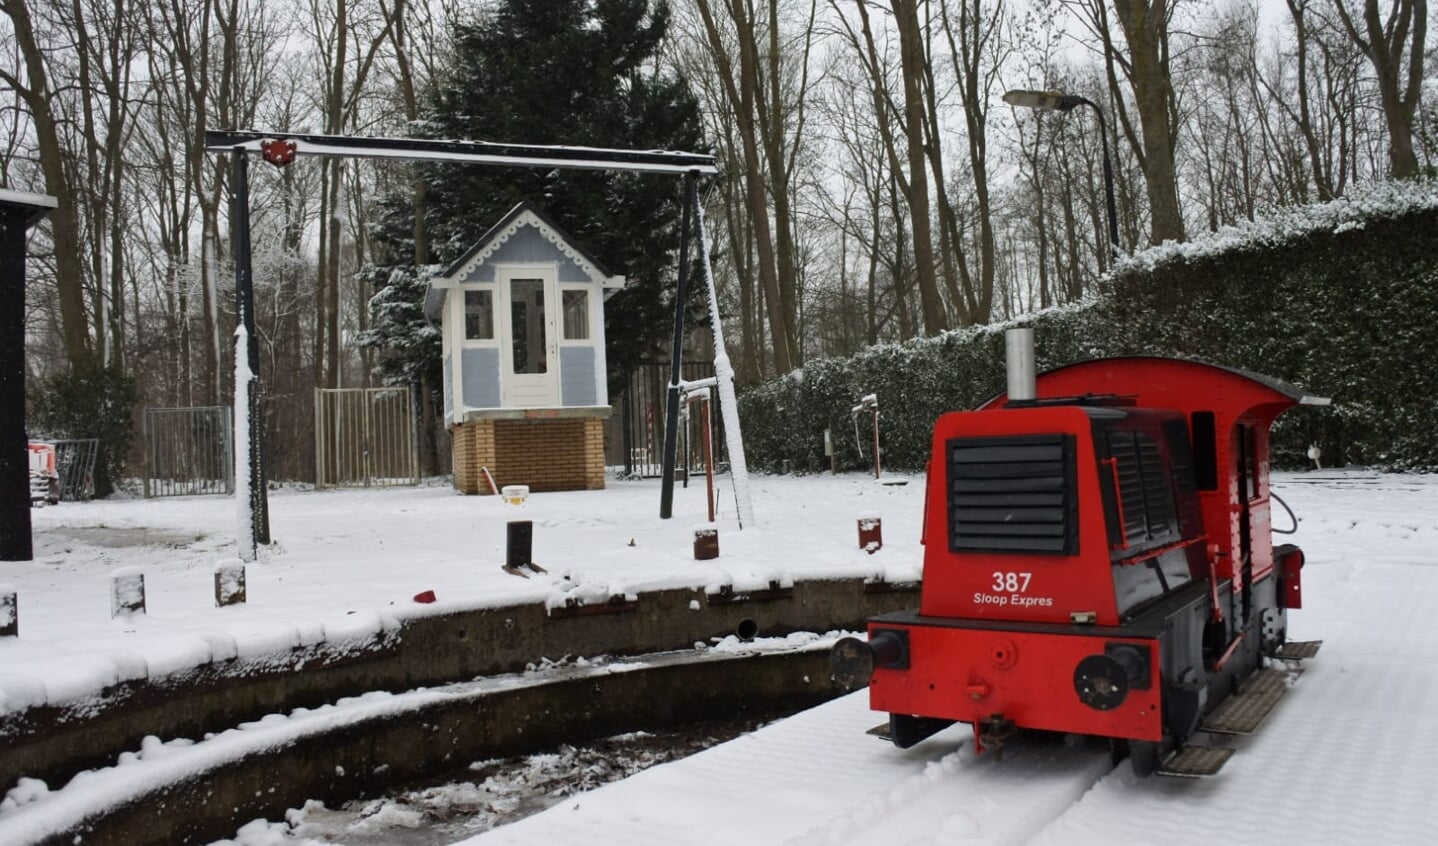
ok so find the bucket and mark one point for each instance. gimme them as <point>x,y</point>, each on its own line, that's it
<point>514,494</point>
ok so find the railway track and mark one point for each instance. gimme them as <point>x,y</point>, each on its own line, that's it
<point>818,779</point>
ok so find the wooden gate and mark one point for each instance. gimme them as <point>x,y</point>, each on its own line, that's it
<point>365,437</point>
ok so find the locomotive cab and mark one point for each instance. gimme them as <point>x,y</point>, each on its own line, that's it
<point>1097,560</point>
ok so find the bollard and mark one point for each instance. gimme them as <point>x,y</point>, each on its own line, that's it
<point>9,612</point>
<point>518,549</point>
<point>706,544</point>
<point>229,584</point>
<point>519,544</point>
<point>871,534</point>
<point>127,592</point>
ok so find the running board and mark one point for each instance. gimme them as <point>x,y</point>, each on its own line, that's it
<point>1297,650</point>
<point>1242,712</point>
<point>1195,761</point>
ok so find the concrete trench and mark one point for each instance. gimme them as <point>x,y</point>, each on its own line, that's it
<point>54,743</point>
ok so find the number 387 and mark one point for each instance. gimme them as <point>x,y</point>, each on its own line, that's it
<point>1011,581</point>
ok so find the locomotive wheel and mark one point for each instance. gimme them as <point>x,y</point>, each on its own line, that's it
<point>1143,754</point>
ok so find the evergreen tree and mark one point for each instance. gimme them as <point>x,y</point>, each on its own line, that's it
<point>560,72</point>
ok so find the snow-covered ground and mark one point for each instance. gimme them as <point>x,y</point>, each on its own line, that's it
<point>1346,757</point>
<point>347,564</point>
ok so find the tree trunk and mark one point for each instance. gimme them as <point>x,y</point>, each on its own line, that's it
<point>913,59</point>
<point>1145,27</point>
<point>1399,88</point>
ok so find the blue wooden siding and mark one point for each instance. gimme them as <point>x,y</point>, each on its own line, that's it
<point>481,377</point>
<point>576,376</point>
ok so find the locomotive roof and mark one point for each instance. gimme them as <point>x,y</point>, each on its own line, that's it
<point>1111,381</point>
<point>1287,389</point>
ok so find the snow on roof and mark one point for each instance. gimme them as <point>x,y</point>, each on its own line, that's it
<point>34,206</point>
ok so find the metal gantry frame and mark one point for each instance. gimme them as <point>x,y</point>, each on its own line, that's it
<point>281,148</point>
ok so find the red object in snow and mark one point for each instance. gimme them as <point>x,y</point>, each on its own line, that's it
<point>1098,560</point>
<point>425,597</point>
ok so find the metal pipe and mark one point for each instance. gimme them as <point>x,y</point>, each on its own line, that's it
<point>671,412</point>
<point>1019,347</point>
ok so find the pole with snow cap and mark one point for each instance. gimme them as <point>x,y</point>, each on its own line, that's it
<point>869,403</point>
<point>724,379</point>
<point>253,502</point>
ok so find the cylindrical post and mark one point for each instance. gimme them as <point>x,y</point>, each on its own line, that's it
<point>229,584</point>
<point>519,544</point>
<point>245,305</point>
<point>708,459</point>
<point>9,611</point>
<point>671,413</point>
<point>1019,347</point>
<point>876,442</point>
<point>127,592</point>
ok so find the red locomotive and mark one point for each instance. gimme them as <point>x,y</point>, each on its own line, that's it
<point>1098,560</point>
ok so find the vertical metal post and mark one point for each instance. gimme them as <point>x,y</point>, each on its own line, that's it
<point>1107,181</point>
<point>709,459</point>
<point>16,541</point>
<point>245,305</point>
<point>146,439</point>
<point>876,443</point>
<point>671,413</point>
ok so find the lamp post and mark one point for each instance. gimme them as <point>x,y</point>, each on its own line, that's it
<point>1055,101</point>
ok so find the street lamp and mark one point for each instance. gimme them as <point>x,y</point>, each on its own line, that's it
<point>1056,101</point>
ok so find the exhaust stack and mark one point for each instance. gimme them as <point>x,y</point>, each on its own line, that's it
<point>1019,348</point>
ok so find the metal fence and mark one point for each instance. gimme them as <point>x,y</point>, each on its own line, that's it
<point>634,432</point>
<point>188,451</point>
<point>365,437</point>
<point>75,464</point>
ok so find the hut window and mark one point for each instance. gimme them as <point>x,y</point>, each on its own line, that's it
<point>478,316</point>
<point>576,315</point>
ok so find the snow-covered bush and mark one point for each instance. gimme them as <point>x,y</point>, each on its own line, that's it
<point>1339,298</point>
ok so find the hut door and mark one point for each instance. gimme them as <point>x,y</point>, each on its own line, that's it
<point>529,349</point>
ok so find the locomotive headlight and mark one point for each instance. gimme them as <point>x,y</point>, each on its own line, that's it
<point>1103,681</point>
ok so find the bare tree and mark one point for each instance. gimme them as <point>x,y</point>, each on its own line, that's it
<point>977,51</point>
<point>1390,44</point>
<point>1145,66</point>
<point>766,96</point>
<point>41,98</point>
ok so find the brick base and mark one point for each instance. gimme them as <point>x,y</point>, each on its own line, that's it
<point>546,455</point>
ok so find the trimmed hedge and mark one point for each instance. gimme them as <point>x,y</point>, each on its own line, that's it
<point>1339,299</point>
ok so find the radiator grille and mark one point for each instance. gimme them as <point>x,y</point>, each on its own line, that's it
<point>1013,494</point>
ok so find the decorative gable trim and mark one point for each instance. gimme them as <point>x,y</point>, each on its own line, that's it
<point>497,238</point>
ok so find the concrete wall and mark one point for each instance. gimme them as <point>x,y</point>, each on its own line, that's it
<point>53,743</point>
